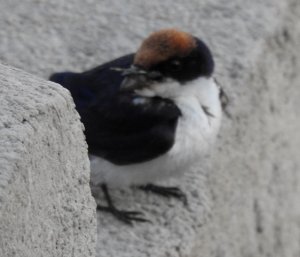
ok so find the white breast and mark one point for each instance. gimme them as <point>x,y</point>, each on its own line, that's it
<point>195,133</point>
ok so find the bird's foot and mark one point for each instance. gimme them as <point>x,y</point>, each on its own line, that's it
<point>125,216</point>
<point>174,192</point>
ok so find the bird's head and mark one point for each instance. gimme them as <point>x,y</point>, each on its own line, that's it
<point>168,55</point>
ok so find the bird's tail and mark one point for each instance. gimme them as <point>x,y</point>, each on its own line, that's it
<point>66,79</point>
<point>78,86</point>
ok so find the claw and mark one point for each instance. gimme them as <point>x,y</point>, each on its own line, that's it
<point>166,192</point>
<point>125,216</point>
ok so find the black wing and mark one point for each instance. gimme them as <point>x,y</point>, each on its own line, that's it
<point>123,128</point>
<point>86,86</point>
<point>124,133</point>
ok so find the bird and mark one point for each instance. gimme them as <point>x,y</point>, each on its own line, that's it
<point>148,115</point>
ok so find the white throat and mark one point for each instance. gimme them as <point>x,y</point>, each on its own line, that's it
<point>203,89</point>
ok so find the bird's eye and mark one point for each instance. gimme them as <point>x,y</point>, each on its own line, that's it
<point>175,65</point>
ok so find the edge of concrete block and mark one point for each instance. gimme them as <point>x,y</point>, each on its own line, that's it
<point>46,207</point>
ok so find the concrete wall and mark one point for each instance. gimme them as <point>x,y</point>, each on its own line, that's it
<point>46,207</point>
<point>245,200</point>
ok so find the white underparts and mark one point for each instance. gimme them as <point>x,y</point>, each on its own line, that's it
<point>195,133</point>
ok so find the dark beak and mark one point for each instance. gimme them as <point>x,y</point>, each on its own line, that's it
<point>138,78</point>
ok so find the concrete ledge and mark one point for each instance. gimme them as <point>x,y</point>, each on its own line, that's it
<point>245,201</point>
<point>46,208</point>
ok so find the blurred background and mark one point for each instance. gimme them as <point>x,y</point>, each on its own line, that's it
<point>42,36</point>
<point>247,202</point>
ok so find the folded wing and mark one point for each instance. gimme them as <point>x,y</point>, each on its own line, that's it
<point>123,128</point>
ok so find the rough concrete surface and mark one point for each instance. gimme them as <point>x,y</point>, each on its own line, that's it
<point>46,208</point>
<point>245,201</point>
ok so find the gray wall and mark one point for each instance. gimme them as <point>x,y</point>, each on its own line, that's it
<point>46,207</point>
<point>245,201</point>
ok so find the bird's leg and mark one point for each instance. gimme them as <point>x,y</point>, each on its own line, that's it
<point>174,192</point>
<point>125,216</point>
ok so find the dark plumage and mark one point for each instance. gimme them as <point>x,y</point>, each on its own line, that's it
<point>121,127</point>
